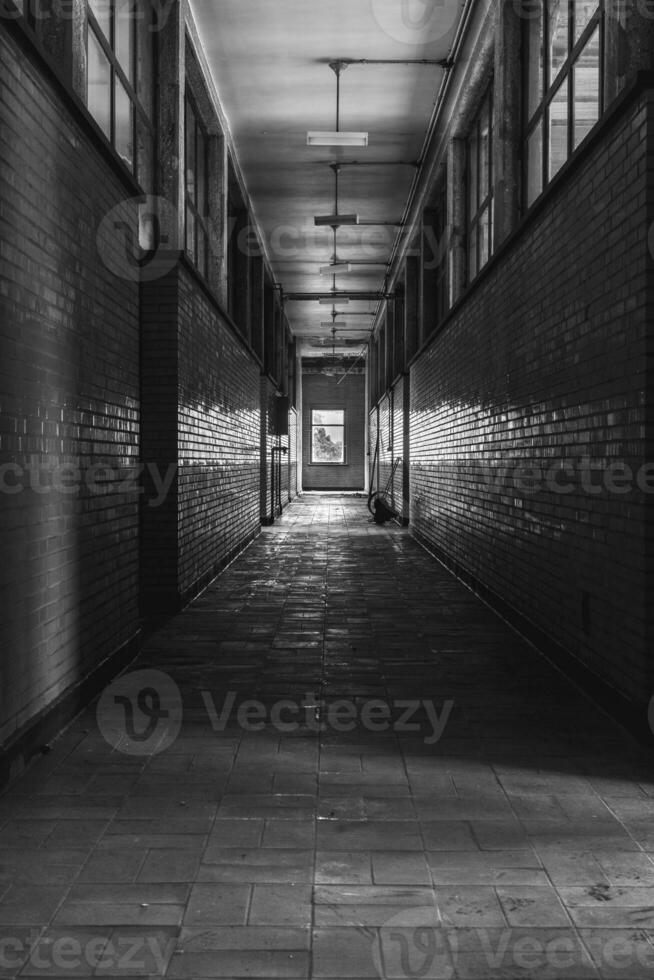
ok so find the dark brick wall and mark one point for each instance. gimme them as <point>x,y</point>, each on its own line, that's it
<point>70,382</point>
<point>323,391</point>
<point>544,365</point>
<point>201,422</point>
<point>219,422</point>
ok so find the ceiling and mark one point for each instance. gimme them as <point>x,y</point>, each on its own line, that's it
<point>270,64</point>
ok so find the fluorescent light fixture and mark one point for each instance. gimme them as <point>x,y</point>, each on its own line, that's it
<point>339,324</point>
<point>315,138</point>
<point>336,269</point>
<point>335,220</point>
<point>334,298</point>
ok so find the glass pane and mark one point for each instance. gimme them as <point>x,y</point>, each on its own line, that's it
<point>334,417</point>
<point>144,154</point>
<point>201,173</point>
<point>535,164</point>
<point>472,253</point>
<point>587,88</point>
<point>558,36</point>
<point>584,12</point>
<point>102,12</point>
<point>534,56</point>
<point>202,250</point>
<point>473,173</point>
<point>124,122</point>
<point>484,237</point>
<point>145,35</point>
<point>190,152</point>
<point>98,92</point>
<point>484,152</point>
<point>124,36</point>
<point>328,444</point>
<point>190,234</point>
<point>558,130</point>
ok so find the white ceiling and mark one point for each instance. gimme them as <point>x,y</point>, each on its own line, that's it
<point>270,64</point>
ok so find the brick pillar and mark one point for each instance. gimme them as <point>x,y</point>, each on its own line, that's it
<point>159,450</point>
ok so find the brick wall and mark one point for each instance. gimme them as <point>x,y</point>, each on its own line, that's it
<point>544,365</point>
<point>323,391</point>
<point>201,424</point>
<point>219,420</point>
<point>70,381</point>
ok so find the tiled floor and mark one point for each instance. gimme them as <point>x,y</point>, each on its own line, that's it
<point>410,792</point>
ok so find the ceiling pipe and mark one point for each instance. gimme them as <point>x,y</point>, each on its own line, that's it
<point>407,225</point>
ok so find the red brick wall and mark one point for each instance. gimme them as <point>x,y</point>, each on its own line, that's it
<point>322,390</point>
<point>70,381</point>
<point>544,363</point>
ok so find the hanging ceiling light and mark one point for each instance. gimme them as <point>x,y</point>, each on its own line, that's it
<point>315,138</point>
<point>335,269</point>
<point>337,137</point>
<point>336,220</point>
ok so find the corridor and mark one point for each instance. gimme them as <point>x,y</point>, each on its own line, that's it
<point>336,762</point>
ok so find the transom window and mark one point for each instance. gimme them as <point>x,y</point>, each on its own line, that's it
<point>197,235</point>
<point>327,435</point>
<point>480,187</point>
<point>118,68</point>
<point>563,64</point>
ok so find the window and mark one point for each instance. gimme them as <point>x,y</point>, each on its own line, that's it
<point>327,435</point>
<point>119,75</point>
<point>197,235</point>
<point>563,68</point>
<point>480,188</point>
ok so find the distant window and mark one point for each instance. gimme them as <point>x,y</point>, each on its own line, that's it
<point>327,435</point>
<point>563,70</point>
<point>115,96</point>
<point>197,235</point>
<point>480,187</point>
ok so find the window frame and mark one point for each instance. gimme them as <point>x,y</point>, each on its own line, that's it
<point>200,221</point>
<point>486,205</point>
<point>313,425</point>
<point>139,116</point>
<point>551,87</point>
